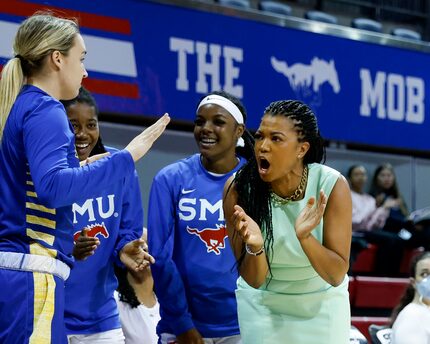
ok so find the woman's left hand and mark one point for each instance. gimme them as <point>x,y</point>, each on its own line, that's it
<point>310,216</point>
<point>134,255</point>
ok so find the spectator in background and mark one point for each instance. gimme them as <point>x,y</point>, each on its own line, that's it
<point>411,318</point>
<point>384,188</point>
<point>368,221</point>
<point>138,306</point>
<point>413,231</point>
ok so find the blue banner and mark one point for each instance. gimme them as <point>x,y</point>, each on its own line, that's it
<point>147,58</point>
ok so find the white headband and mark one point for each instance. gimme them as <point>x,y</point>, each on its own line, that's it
<point>225,103</point>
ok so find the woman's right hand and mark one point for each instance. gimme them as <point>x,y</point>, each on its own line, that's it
<point>247,228</point>
<point>191,336</point>
<point>85,246</point>
<point>379,199</point>
<point>141,144</point>
<point>391,203</point>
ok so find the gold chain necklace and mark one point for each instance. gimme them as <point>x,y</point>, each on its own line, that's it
<point>278,200</point>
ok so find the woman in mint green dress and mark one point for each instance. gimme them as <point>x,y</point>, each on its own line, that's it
<point>289,223</point>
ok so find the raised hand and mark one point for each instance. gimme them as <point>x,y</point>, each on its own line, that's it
<point>140,145</point>
<point>85,246</point>
<point>310,216</point>
<point>134,255</point>
<point>247,228</point>
<point>93,158</point>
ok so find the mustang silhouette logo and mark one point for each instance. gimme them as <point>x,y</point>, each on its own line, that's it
<point>306,80</point>
<point>93,231</point>
<point>214,239</point>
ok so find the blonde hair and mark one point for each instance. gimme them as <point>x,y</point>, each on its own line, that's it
<point>37,37</point>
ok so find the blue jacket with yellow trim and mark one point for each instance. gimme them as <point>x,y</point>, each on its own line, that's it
<point>40,177</point>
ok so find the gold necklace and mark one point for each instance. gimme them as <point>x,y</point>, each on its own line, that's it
<point>278,200</point>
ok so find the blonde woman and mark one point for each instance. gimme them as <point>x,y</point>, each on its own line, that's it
<point>40,177</point>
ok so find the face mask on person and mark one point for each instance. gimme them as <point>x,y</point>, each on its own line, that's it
<point>423,288</point>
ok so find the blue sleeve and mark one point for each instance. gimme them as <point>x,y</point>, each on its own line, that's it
<point>47,140</point>
<point>131,225</point>
<point>168,282</point>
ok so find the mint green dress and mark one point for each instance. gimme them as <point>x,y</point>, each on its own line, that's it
<point>297,306</point>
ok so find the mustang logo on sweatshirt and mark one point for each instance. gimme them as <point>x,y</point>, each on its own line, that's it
<point>213,238</point>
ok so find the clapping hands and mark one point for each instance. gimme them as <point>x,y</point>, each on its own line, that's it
<point>310,216</point>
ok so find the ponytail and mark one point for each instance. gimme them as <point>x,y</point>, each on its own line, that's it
<point>37,37</point>
<point>11,82</point>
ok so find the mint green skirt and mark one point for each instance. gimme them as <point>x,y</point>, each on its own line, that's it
<point>319,317</point>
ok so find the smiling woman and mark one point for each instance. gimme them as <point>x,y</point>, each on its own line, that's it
<point>289,223</point>
<point>83,114</point>
<point>193,272</point>
<point>117,238</point>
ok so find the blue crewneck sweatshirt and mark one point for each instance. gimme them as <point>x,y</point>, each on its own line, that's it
<point>194,273</point>
<point>40,177</point>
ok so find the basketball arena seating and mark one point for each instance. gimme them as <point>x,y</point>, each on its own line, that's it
<point>377,292</point>
<point>321,17</point>
<point>365,262</point>
<point>406,33</point>
<point>363,323</point>
<point>236,3</point>
<point>275,7</point>
<point>373,298</point>
<point>366,24</point>
<point>370,294</point>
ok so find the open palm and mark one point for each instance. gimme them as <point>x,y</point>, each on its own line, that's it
<point>310,216</point>
<point>140,145</point>
<point>247,228</point>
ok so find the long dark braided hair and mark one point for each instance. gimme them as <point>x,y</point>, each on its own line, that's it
<point>248,150</point>
<point>85,97</point>
<point>409,294</point>
<point>253,193</point>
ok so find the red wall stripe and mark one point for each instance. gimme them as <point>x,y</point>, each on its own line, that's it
<point>112,88</point>
<point>88,20</point>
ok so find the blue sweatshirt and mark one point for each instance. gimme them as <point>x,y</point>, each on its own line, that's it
<point>194,271</point>
<point>115,217</point>
<point>40,177</point>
